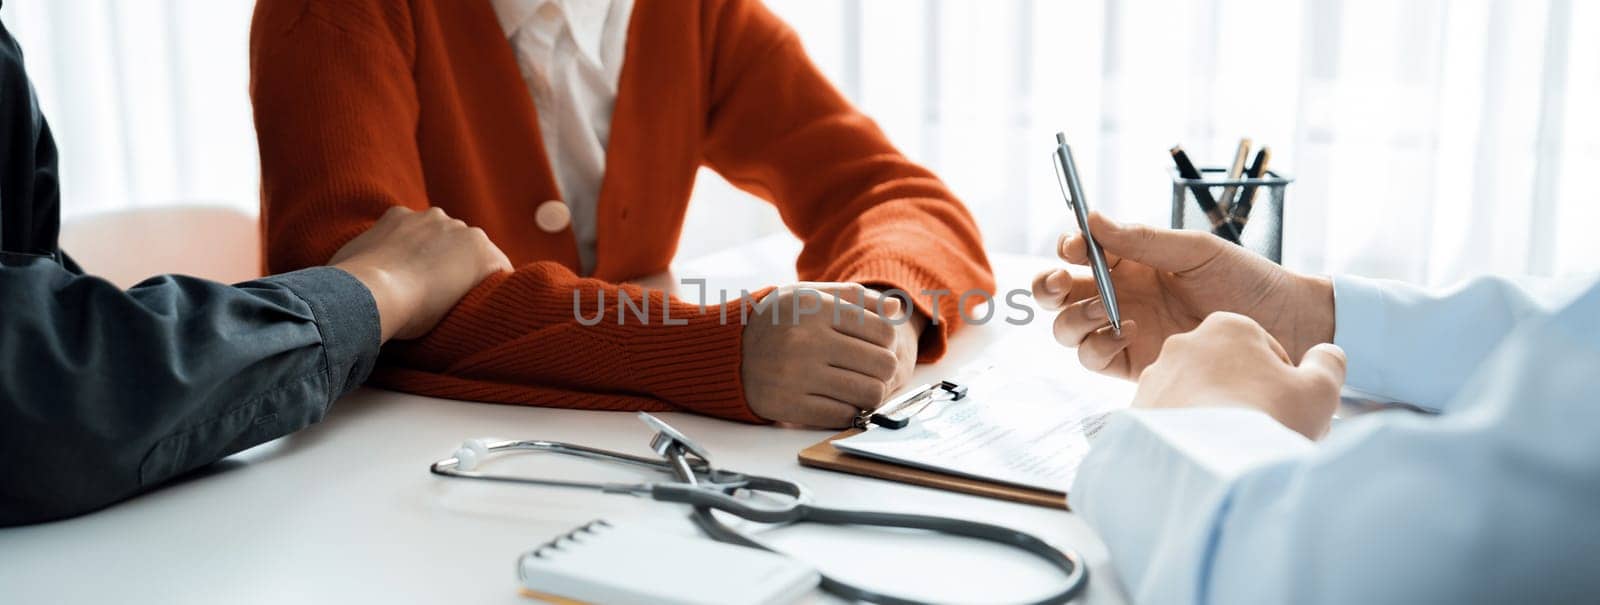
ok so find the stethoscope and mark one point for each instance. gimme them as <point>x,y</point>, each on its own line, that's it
<point>706,488</point>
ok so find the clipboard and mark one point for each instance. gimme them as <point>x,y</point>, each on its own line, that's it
<point>824,456</point>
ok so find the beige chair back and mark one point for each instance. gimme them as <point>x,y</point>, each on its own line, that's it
<point>128,246</point>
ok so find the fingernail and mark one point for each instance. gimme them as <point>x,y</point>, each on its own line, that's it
<point>1061,244</point>
<point>1050,286</point>
<point>1096,311</point>
<point>1126,327</point>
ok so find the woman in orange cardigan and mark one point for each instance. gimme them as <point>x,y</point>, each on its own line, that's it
<point>571,131</point>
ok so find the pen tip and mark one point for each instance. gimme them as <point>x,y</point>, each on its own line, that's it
<point>1061,138</point>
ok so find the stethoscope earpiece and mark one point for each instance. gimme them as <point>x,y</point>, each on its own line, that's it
<point>471,452</point>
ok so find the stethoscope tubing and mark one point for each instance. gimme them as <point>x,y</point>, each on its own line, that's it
<point>706,489</point>
<point>1066,561</point>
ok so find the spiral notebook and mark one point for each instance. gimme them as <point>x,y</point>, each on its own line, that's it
<point>602,562</point>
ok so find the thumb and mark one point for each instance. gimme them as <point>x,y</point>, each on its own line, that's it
<point>1173,250</point>
<point>1325,361</point>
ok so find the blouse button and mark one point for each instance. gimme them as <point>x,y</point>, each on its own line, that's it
<point>553,216</point>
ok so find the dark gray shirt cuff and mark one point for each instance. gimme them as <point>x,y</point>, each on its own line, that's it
<point>347,318</point>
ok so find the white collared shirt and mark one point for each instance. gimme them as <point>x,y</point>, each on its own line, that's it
<point>570,53</point>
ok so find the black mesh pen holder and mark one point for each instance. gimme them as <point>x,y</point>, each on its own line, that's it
<point>1262,229</point>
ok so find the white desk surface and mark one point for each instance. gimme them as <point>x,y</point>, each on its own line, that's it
<point>346,511</point>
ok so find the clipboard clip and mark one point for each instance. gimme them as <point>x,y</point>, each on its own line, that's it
<point>896,413</point>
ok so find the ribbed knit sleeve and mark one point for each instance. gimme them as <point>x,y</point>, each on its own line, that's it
<point>866,214</point>
<point>337,113</point>
<point>584,344</point>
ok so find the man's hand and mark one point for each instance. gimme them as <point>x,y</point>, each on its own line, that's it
<point>417,265</point>
<point>1230,360</point>
<point>806,368</point>
<point>1168,281</point>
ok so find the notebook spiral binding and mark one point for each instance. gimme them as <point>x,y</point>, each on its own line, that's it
<point>555,544</point>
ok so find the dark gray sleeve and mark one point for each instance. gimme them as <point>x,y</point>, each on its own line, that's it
<point>107,393</point>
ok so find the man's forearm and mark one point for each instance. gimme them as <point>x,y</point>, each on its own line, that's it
<point>167,377</point>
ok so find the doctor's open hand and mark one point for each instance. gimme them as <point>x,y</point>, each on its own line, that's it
<point>816,354</point>
<point>1167,282</point>
<point>1231,361</point>
<point>417,265</point>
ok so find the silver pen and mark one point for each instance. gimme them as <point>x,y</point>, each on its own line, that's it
<point>1067,178</point>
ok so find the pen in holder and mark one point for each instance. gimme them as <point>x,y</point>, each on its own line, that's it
<point>1261,233</point>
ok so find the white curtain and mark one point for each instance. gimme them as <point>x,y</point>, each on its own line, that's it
<point>148,99</point>
<point>1430,139</point>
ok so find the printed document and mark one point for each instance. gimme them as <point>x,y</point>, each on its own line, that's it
<point>1020,424</point>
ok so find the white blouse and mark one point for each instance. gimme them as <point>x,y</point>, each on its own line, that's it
<point>570,54</point>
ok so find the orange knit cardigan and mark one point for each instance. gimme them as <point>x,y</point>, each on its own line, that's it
<point>365,104</point>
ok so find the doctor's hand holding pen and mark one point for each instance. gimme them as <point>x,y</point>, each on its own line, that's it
<point>1167,282</point>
